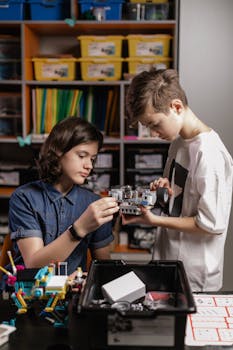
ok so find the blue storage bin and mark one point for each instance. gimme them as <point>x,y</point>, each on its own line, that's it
<point>109,10</point>
<point>12,10</point>
<point>49,10</point>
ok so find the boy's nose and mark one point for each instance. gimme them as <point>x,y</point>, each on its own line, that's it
<point>88,164</point>
<point>154,133</point>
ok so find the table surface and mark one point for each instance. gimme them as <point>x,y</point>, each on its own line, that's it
<point>34,333</point>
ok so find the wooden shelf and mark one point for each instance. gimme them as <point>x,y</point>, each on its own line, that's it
<point>120,248</point>
<point>99,28</point>
<point>6,192</point>
<point>122,252</point>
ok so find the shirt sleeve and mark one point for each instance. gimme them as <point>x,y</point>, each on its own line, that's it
<point>22,218</point>
<point>215,195</point>
<point>102,236</point>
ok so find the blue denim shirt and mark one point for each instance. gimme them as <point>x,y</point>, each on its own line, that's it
<point>37,209</point>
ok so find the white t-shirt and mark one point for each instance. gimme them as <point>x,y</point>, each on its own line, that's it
<point>201,174</point>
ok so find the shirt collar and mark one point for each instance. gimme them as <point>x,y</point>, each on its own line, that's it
<point>55,195</point>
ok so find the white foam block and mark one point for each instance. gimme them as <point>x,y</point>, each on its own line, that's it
<point>5,331</point>
<point>125,288</point>
<point>56,282</point>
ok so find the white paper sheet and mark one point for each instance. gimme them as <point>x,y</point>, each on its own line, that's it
<point>212,324</point>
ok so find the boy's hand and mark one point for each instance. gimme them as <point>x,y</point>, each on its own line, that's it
<point>145,218</point>
<point>96,214</point>
<point>161,182</point>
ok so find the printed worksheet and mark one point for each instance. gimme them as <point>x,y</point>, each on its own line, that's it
<point>212,324</point>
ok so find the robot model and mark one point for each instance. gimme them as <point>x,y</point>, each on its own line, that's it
<point>130,200</point>
<point>49,285</point>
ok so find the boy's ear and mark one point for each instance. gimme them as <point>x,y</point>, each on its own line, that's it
<point>177,105</point>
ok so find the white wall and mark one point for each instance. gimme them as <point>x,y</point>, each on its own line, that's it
<point>206,73</point>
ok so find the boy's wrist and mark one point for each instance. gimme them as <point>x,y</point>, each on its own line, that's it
<point>75,235</point>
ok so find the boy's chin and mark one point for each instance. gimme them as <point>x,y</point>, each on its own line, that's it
<point>80,182</point>
<point>84,182</point>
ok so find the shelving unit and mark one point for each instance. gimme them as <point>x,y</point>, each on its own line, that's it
<point>57,37</point>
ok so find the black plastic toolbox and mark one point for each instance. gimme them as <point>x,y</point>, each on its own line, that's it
<point>135,326</point>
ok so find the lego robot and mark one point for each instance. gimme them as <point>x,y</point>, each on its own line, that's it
<point>131,200</point>
<point>48,285</point>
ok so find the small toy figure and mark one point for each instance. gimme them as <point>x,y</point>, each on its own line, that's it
<point>77,281</point>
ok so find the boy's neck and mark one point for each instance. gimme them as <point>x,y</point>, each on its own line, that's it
<point>192,125</point>
<point>62,188</point>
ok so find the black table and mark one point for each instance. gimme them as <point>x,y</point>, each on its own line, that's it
<point>35,333</point>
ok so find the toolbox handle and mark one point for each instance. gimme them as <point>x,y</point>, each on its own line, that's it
<point>110,262</point>
<point>162,262</point>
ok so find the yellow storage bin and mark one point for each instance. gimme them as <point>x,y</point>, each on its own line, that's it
<point>149,45</point>
<point>101,68</point>
<point>54,68</point>
<point>137,65</point>
<point>101,46</point>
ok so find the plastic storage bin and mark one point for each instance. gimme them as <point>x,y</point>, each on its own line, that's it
<point>10,113</point>
<point>101,46</point>
<point>10,69</point>
<point>139,64</point>
<point>149,45</point>
<point>110,9</point>
<point>54,68</point>
<point>12,10</point>
<point>147,11</point>
<point>49,9</point>
<point>141,324</point>
<point>9,46</point>
<point>101,68</point>
<point>10,126</point>
<point>10,104</point>
<point>156,12</point>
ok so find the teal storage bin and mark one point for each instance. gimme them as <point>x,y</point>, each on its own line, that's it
<point>50,10</point>
<point>12,10</point>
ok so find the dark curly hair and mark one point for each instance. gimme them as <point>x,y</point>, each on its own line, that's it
<point>65,135</point>
<point>158,87</point>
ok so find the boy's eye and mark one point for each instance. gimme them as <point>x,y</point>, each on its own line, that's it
<point>84,155</point>
<point>81,155</point>
<point>155,126</point>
